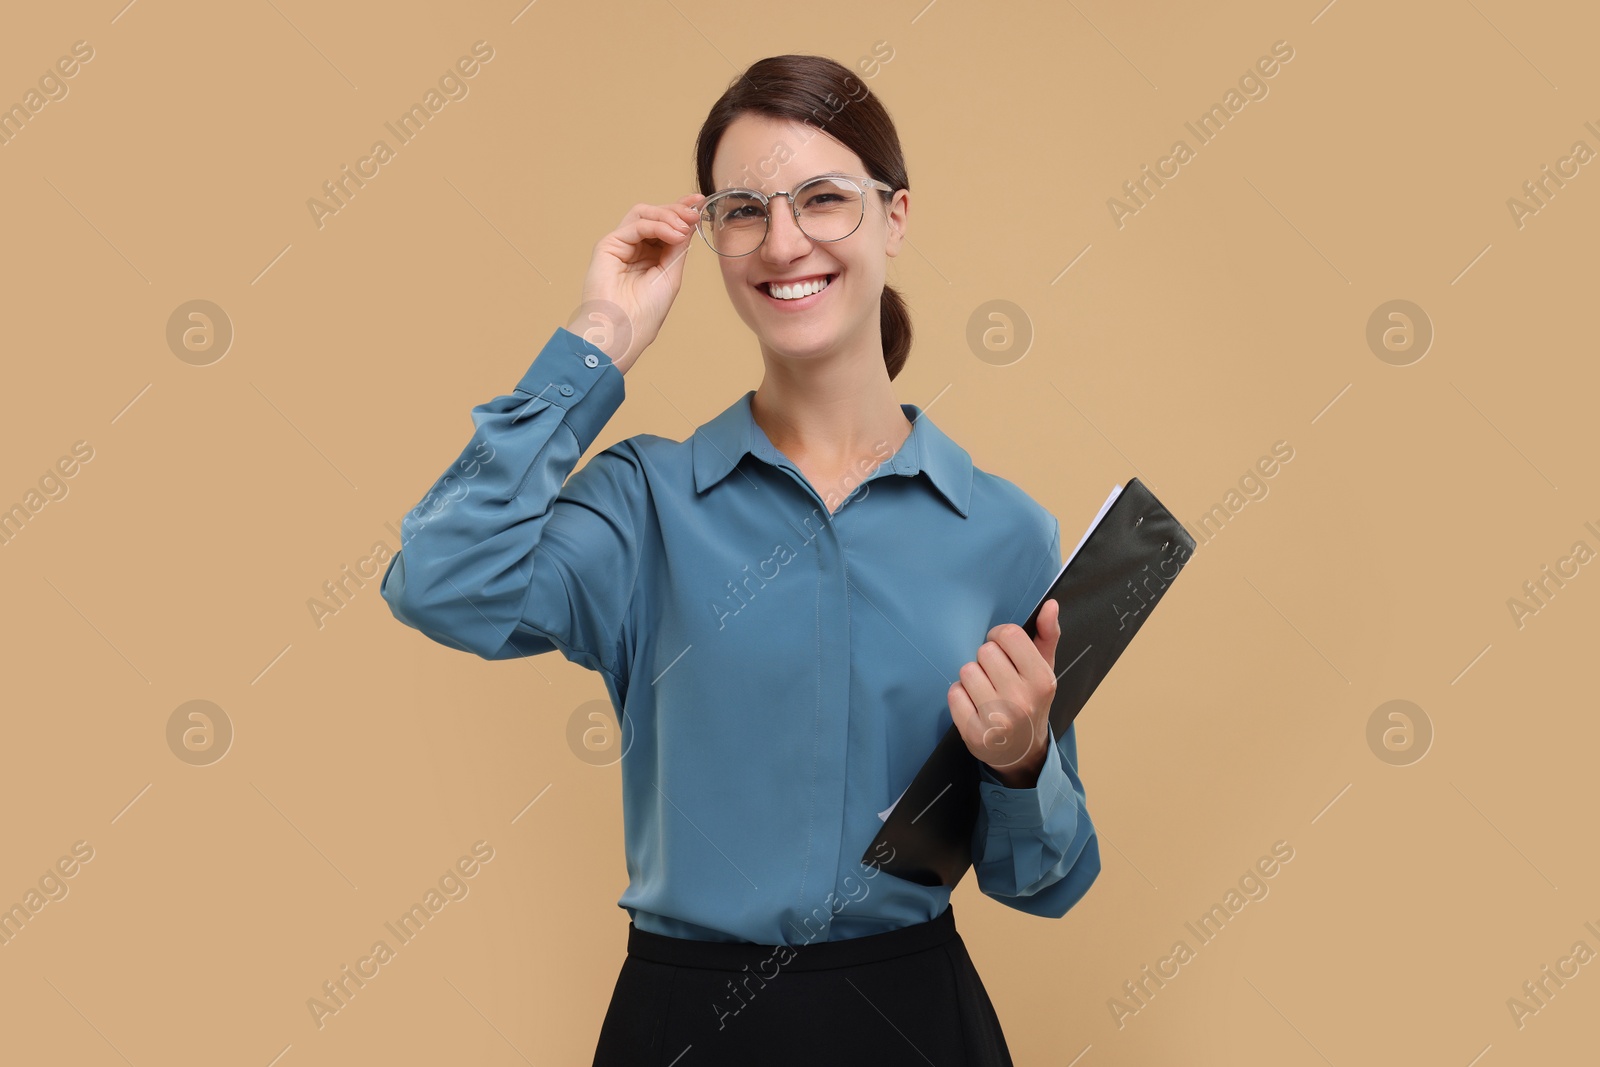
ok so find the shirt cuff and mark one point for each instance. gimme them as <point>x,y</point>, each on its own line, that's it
<point>569,370</point>
<point>1027,808</point>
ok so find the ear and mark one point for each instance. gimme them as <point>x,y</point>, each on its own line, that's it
<point>899,209</point>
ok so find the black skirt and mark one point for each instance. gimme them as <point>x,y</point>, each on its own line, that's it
<point>910,996</point>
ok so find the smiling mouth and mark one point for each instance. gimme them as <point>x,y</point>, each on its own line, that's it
<point>825,279</point>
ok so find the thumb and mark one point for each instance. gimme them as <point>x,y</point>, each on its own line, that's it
<point>672,261</point>
<point>1049,631</point>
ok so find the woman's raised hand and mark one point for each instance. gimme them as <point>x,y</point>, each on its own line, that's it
<point>637,270</point>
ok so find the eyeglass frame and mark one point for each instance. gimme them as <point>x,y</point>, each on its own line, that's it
<point>766,204</point>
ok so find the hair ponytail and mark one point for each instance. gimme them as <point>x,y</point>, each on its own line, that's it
<point>896,328</point>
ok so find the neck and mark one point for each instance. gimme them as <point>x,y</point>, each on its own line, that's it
<point>832,409</point>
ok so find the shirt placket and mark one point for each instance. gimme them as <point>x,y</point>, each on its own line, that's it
<point>827,763</point>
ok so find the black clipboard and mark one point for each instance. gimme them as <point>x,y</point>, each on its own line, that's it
<point>1107,589</point>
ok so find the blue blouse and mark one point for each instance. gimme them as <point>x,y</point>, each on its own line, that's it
<point>780,670</point>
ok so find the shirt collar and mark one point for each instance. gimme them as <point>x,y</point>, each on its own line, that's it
<point>722,442</point>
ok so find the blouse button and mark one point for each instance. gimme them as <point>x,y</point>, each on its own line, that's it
<point>566,390</point>
<point>591,360</point>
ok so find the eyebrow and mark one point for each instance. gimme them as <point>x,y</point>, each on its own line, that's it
<point>814,177</point>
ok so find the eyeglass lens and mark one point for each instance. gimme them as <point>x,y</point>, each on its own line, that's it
<point>735,222</point>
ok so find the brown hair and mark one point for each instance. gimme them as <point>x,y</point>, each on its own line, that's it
<point>824,93</point>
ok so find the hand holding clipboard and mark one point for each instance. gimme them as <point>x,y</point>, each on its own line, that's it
<point>1106,589</point>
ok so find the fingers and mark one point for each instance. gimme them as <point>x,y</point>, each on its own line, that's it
<point>964,713</point>
<point>998,735</point>
<point>668,212</point>
<point>1008,661</point>
<point>1047,634</point>
<point>1010,647</point>
<point>664,222</point>
<point>671,230</point>
<point>962,710</point>
<point>978,678</point>
<point>684,210</point>
<point>975,688</point>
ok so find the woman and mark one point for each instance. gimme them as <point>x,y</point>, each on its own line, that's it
<point>778,606</point>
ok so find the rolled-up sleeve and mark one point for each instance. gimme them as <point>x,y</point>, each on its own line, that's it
<point>507,555</point>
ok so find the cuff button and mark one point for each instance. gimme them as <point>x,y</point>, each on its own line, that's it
<point>566,390</point>
<point>591,360</point>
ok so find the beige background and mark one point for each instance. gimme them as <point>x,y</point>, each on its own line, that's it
<point>1229,313</point>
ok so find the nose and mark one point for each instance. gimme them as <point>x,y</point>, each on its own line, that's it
<point>785,239</point>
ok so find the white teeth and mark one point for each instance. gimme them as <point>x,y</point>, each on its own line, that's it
<point>795,292</point>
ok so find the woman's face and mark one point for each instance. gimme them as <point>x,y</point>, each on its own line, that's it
<point>766,154</point>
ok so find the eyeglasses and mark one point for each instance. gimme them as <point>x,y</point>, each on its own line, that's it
<point>828,207</point>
